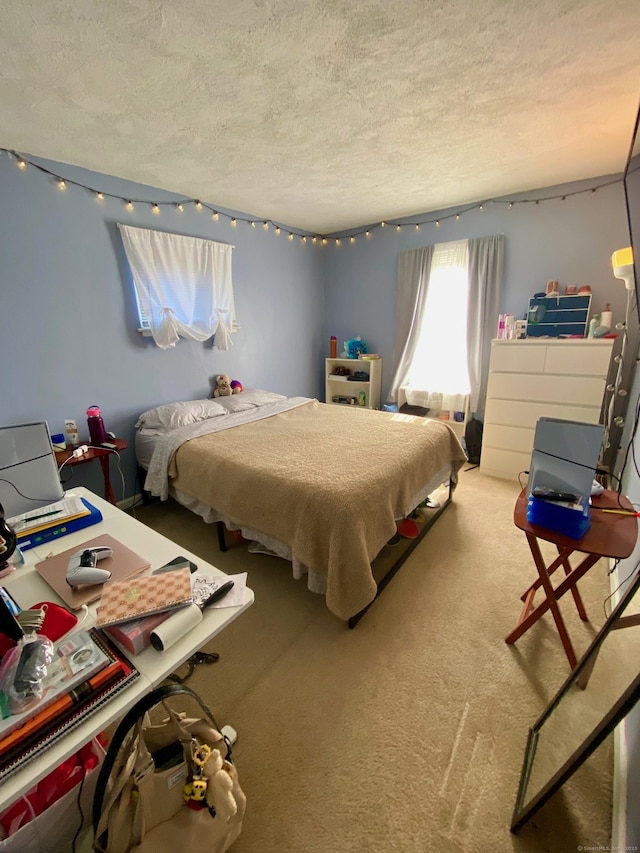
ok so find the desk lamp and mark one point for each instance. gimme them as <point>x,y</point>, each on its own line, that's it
<point>622,263</point>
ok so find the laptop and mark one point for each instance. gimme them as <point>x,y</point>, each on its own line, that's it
<point>565,455</point>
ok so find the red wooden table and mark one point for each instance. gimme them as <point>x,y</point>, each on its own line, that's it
<point>610,535</point>
<point>102,454</point>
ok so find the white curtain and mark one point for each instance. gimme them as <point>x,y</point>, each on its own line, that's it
<point>411,298</point>
<point>448,297</point>
<point>183,284</point>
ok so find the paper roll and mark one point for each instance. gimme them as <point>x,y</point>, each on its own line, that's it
<point>175,627</point>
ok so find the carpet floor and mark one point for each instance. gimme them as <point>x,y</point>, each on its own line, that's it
<point>408,732</point>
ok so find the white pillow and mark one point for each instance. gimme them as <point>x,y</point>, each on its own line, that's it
<point>173,415</point>
<point>250,398</point>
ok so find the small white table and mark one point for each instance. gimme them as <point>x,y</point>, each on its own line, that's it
<point>27,587</point>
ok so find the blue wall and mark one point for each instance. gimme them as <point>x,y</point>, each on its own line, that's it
<point>68,320</point>
<point>570,241</point>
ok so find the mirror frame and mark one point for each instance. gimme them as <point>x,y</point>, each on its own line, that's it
<point>634,227</point>
<point>578,679</point>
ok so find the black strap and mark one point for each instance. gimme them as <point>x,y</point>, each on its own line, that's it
<point>133,715</point>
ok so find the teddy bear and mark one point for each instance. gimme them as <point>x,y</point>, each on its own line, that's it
<point>236,386</point>
<point>223,386</point>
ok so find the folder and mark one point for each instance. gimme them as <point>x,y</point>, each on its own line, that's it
<point>58,527</point>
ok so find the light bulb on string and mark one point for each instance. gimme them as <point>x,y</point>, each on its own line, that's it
<point>437,223</point>
<point>155,209</point>
<point>324,241</point>
<point>481,208</point>
<point>398,228</point>
<point>100,196</point>
<point>198,206</point>
<point>21,164</point>
<point>277,231</point>
<point>290,237</point>
<point>457,217</point>
<point>129,205</point>
<point>304,239</point>
<point>510,205</point>
<point>62,184</point>
<point>338,242</point>
<point>352,239</point>
<point>253,224</point>
<point>367,233</point>
<point>179,208</point>
<point>383,224</point>
<point>417,226</point>
<point>215,216</point>
<point>314,240</point>
<point>233,223</point>
<point>265,225</point>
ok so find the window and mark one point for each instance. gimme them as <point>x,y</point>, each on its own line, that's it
<point>438,376</point>
<point>183,286</point>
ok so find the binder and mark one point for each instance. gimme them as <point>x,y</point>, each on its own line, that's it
<point>56,529</point>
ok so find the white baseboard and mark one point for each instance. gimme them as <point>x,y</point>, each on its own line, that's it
<point>129,502</point>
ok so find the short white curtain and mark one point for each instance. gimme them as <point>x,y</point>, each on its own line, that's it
<point>183,284</point>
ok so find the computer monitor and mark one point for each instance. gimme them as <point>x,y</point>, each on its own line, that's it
<point>565,455</point>
<point>28,471</point>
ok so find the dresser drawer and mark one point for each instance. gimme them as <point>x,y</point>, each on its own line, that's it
<point>580,390</point>
<point>522,414</point>
<point>579,359</point>
<point>501,437</point>
<point>505,463</point>
<point>517,357</point>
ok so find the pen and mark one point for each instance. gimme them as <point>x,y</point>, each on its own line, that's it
<point>218,594</point>
<point>630,512</point>
<point>44,515</point>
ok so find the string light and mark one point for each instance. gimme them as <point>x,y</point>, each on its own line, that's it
<point>61,183</point>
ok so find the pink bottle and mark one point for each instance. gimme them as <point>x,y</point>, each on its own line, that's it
<point>97,431</point>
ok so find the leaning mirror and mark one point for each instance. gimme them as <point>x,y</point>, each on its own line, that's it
<point>600,691</point>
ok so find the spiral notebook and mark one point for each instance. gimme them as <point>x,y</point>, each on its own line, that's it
<point>137,597</point>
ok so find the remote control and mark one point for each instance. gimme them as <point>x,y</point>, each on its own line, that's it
<point>553,494</point>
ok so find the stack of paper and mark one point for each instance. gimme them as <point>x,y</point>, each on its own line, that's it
<point>67,509</point>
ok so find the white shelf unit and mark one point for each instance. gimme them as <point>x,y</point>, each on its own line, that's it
<point>534,378</point>
<point>340,386</point>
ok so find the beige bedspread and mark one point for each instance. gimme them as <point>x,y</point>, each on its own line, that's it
<point>328,481</point>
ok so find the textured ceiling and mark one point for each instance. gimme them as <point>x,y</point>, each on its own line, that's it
<point>324,114</point>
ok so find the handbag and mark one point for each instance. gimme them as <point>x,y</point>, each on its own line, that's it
<point>167,786</point>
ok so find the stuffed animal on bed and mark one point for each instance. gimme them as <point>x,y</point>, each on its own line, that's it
<point>236,386</point>
<point>223,386</point>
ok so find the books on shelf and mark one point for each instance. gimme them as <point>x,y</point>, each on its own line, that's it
<point>124,600</point>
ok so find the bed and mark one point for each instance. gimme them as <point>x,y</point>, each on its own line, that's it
<point>320,485</point>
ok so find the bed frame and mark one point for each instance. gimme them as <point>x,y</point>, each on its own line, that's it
<point>382,583</point>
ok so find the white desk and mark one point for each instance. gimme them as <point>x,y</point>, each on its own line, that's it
<point>27,587</point>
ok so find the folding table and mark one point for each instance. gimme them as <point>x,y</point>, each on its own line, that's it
<point>610,535</point>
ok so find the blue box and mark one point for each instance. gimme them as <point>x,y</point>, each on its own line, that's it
<point>571,520</point>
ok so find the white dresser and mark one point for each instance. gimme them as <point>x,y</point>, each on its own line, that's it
<point>530,379</point>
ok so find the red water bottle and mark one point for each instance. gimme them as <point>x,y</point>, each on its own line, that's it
<point>333,346</point>
<point>97,431</point>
